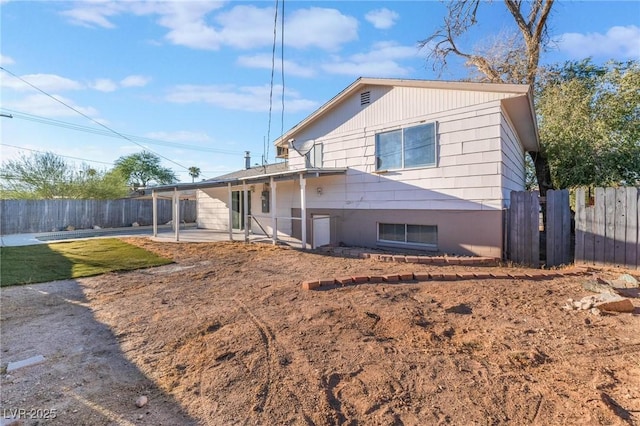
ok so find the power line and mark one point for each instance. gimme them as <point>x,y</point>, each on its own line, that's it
<point>282,66</point>
<point>273,68</point>
<point>91,119</point>
<point>93,130</point>
<point>65,156</point>
<point>88,160</point>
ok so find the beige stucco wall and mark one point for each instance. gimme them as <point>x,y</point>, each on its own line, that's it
<point>478,233</point>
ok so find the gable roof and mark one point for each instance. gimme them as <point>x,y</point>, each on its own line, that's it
<point>519,107</point>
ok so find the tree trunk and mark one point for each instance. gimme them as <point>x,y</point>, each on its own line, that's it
<point>543,172</point>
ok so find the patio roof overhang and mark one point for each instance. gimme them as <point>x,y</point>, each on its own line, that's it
<point>256,178</point>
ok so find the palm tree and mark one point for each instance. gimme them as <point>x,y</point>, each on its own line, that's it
<point>194,172</point>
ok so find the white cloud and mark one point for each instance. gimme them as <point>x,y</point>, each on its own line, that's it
<point>247,27</point>
<point>246,98</point>
<point>187,25</point>
<point>263,61</point>
<point>242,26</point>
<point>618,43</point>
<point>382,19</point>
<point>180,136</point>
<point>46,82</point>
<point>43,105</point>
<point>104,85</point>
<point>135,81</point>
<point>381,61</point>
<point>6,60</point>
<point>326,29</point>
<point>93,14</point>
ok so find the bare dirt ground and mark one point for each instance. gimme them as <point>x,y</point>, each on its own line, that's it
<point>226,336</point>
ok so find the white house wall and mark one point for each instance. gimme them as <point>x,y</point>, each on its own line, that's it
<point>213,210</point>
<point>513,156</point>
<point>469,158</point>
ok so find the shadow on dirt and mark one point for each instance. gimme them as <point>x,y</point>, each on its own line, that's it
<point>86,377</point>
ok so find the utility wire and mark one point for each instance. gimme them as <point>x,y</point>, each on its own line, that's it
<point>273,67</point>
<point>93,130</point>
<point>91,119</point>
<point>65,156</point>
<point>282,66</point>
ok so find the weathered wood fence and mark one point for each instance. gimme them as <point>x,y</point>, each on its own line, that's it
<point>608,227</point>
<point>27,216</point>
<point>523,228</point>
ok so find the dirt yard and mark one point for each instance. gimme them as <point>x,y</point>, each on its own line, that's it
<point>226,336</point>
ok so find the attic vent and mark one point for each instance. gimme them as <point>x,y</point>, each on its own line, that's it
<point>365,98</point>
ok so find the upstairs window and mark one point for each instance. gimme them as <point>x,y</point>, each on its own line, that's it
<point>406,148</point>
<point>313,158</point>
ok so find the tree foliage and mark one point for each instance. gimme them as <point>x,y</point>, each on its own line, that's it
<point>589,123</point>
<point>194,172</point>
<point>46,176</point>
<point>143,168</point>
<point>512,57</point>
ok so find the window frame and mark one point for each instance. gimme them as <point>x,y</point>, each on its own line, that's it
<point>403,149</point>
<point>313,159</point>
<point>405,241</point>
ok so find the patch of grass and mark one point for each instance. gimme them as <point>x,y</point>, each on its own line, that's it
<point>73,259</point>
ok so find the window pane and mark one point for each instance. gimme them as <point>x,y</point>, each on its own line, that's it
<point>391,232</point>
<point>422,234</point>
<point>419,145</point>
<point>389,150</point>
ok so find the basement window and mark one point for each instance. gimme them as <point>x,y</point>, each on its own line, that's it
<point>406,234</point>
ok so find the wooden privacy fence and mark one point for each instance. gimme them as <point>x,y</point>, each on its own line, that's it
<point>608,227</point>
<point>28,216</point>
<point>523,228</point>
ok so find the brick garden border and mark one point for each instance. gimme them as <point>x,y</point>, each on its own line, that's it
<point>439,276</point>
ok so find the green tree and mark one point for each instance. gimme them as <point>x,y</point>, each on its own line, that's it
<point>511,57</point>
<point>46,175</point>
<point>90,183</point>
<point>143,168</point>
<point>35,176</point>
<point>194,172</point>
<point>589,123</point>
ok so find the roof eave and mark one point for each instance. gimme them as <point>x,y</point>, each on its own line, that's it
<point>515,89</point>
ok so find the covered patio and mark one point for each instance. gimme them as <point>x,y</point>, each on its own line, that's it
<point>243,180</point>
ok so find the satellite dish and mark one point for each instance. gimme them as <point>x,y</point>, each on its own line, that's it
<point>303,147</point>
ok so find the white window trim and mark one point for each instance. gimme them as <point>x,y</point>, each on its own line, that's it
<point>436,148</point>
<point>404,243</point>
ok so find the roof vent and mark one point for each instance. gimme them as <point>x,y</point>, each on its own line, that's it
<point>365,98</point>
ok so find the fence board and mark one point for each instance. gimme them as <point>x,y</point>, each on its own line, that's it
<point>612,223</point>
<point>620,227</point>
<point>631,237</point>
<point>558,231</point>
<point>580,255</point>
<point>534,229</point>
<point>29,216</point>
<point>599,231</point>
<point>524,233</point>
<point>589,240</point>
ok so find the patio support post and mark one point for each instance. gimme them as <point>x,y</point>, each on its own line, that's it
<point>154,195</point>
<point>274,220</point>
<point>303,210</point>
<point>246,211</point>
<point>176,215</point>
<point>230,205</point>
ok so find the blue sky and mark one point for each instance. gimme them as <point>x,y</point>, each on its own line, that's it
<point>190,81</point>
